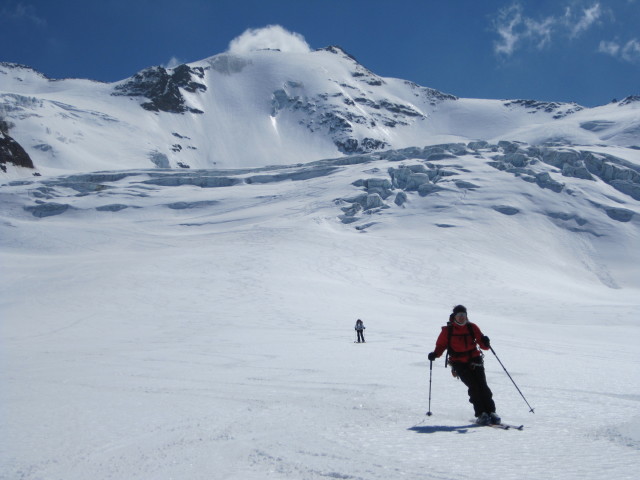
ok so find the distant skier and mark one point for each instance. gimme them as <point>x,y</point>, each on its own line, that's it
<point>360,330</point>
<point>461,339</point>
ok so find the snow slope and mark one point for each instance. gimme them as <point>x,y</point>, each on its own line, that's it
<point>252,109</point>
<point>190,324</point>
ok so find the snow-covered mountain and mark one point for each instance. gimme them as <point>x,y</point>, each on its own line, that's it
<point>196,321</point>
<point>264,107</point>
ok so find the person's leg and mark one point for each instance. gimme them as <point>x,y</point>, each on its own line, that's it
<point>485,396</point>
<point>468,376</point>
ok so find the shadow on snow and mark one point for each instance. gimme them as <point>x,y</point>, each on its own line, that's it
<point>442,428</point>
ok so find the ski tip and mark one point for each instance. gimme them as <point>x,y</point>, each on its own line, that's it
<point>514,427</point>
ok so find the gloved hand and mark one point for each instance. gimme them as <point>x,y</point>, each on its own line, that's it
<point>486,340</point>
<point>431,356</point>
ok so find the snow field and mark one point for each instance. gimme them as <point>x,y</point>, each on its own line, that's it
<point>217,341</point>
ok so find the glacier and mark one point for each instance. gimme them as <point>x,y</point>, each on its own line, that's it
<point>182,268</point>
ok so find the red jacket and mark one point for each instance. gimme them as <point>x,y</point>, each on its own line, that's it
<point>464,346</point>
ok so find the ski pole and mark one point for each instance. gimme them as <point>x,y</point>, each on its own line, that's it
<point>430,375</point>
<point>514,383</point>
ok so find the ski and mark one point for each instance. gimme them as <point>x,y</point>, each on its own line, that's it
<point>505,426</point>
<point>497,425</point>
<point>515,427</point>
<point>502,426</point>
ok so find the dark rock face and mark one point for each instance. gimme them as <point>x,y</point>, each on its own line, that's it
<point>559,110</point>
<point>359,73</point>
<point>338,50</point>
<point>162,88</point>
<point>628,100</point>
<point>337,114</point>
<point>12,152</point>
<point>337,119</point>
<point>350,146</point>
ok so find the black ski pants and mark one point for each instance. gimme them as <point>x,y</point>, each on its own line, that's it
<point>360,335</point>
<point>473,376</point>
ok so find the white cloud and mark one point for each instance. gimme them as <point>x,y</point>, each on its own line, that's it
<point>271,37</point>
<point>173,62</point>
<point>514,29</point>
<point>629,52</point>
<point>22,11</point>
<point>588,18</point>
<point>507,23</point>
<point>517,30</point>
<point>539,32</point>
<point>609,48</point>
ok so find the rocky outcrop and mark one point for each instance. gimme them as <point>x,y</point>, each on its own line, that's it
<point>359,72</point>
<point>12,152</point>
<point>352,112</point>
<point>339,114</point>
<point>559,110</point>
<point>162,88</point>
<point>628,100</point>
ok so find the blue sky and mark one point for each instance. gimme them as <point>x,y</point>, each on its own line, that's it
<point>583,51</point>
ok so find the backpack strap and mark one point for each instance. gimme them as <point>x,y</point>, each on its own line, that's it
<point>449,333</point>
<point>471,332</point>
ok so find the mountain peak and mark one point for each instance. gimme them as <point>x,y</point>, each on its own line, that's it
<point>250,107</point>
<point>18,67</point>
<point>629,100</point>
<point>338,50</point>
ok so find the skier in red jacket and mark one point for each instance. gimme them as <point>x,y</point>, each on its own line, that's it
<point>461,339</point>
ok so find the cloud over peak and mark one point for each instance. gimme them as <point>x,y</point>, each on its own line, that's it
<point>272,37</point>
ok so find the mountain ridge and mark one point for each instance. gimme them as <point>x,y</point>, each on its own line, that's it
<point>271,107</point>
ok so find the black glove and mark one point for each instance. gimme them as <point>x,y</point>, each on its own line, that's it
<point>431,356</point>
<point>486,341</point>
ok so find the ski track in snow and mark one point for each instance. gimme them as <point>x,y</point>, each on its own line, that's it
<point>217,341</point>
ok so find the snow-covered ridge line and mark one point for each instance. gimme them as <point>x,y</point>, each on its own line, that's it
<point>265,107</point>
